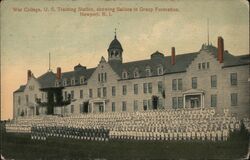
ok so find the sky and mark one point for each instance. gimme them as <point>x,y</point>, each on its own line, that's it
<point>28,37</point>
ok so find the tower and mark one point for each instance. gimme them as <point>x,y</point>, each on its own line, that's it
<point>115,50</point>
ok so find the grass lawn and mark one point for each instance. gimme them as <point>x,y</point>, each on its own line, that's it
<point>20,146</point>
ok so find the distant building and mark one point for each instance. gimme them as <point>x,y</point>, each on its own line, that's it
<point>210,77</point>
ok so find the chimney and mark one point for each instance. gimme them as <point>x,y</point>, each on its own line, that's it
<point>220,49</point>
<point>29,73</point>
<point>173,56</point>
<point>58,73</point>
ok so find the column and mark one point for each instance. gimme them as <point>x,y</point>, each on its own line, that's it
<point>92,107</point>
<point>34,110</point>
<point>202,100</point>
<point>104,107</point>
<point>184,101</point>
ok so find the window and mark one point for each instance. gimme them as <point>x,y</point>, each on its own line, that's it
<point>213,81</point>
<point>81,108</point>
<point>81,80</point>
<point>180,102</point>
<point>179,84</point>
<point>124,89</point>
<point>148,72</point>
<point>145,105</point>
<point>72,109</point>
<point>81,93</point>
<point>207,65</point>
<point>174,84</point>
<point>113,91</point>
<point>174,102</point>
<point>194,82</point>
<point>234,99</point>
<point>99,92</point>
<point>99,77</point>
<point>136,74</point>
<point>160,70</point>
<point>213,100</point>
<point>102,77</point>
<point>104,91</point>
<point>72,94</point>
<point>160,87</point>
<point>57,83</point>
<point>27,99</point>
<point>145,88</point>
<point>113,106</point>
<point>19,100</point>
<point>124,106</point>
<point>90,93</point>
<point>203,65</point>
<point>233,78</point>
<point>135,105</point>
<point>72,81</point>
<point>105,77</point>
<point>31,88</point>
<point>124,75</point>
<point>150,88</point>
<point>65,82</point>
<point>135,88</point>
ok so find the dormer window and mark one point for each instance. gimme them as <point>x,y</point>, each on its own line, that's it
<point>57,83</point>
<point>65,82</point>
<point>136,73</point>
<point>148,72</point>
<point>160,70</point>
<point>81,79</point>
<point>73,81</point>
<point>124,74</point>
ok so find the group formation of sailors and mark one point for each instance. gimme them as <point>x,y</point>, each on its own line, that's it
<point>43,132</point>
<point>166,125</point>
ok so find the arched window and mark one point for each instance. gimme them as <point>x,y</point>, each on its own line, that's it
<point>148,71</point>
<point>160,70</point>
<point>136,73</point>
<point>124,74</point>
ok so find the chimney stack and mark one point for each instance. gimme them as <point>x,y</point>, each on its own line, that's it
<point>58,73</point>
<point>173,56</point>
<point>29,73</point>
<point>220,49</point>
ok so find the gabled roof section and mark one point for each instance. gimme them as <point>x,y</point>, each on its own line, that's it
<point>20,89</point>
<point>77,74</point>
<point>182,62</point>
<point>47,80</point>
<point>229,60</point>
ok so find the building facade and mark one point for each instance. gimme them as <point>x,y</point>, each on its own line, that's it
<point>210,77</point>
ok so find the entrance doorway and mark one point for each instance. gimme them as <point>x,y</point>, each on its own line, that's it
<point>85,107</point>
<point>101,108</point>
<point>194,102</point>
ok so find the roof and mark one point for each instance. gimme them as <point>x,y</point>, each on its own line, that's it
<point>115,44</point>
<point>193,91</point>
<point>20,89</point>
<point>182,61</point>
<point>47,80</point>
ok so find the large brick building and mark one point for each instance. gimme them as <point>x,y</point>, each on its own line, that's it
<point>210,77</point>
